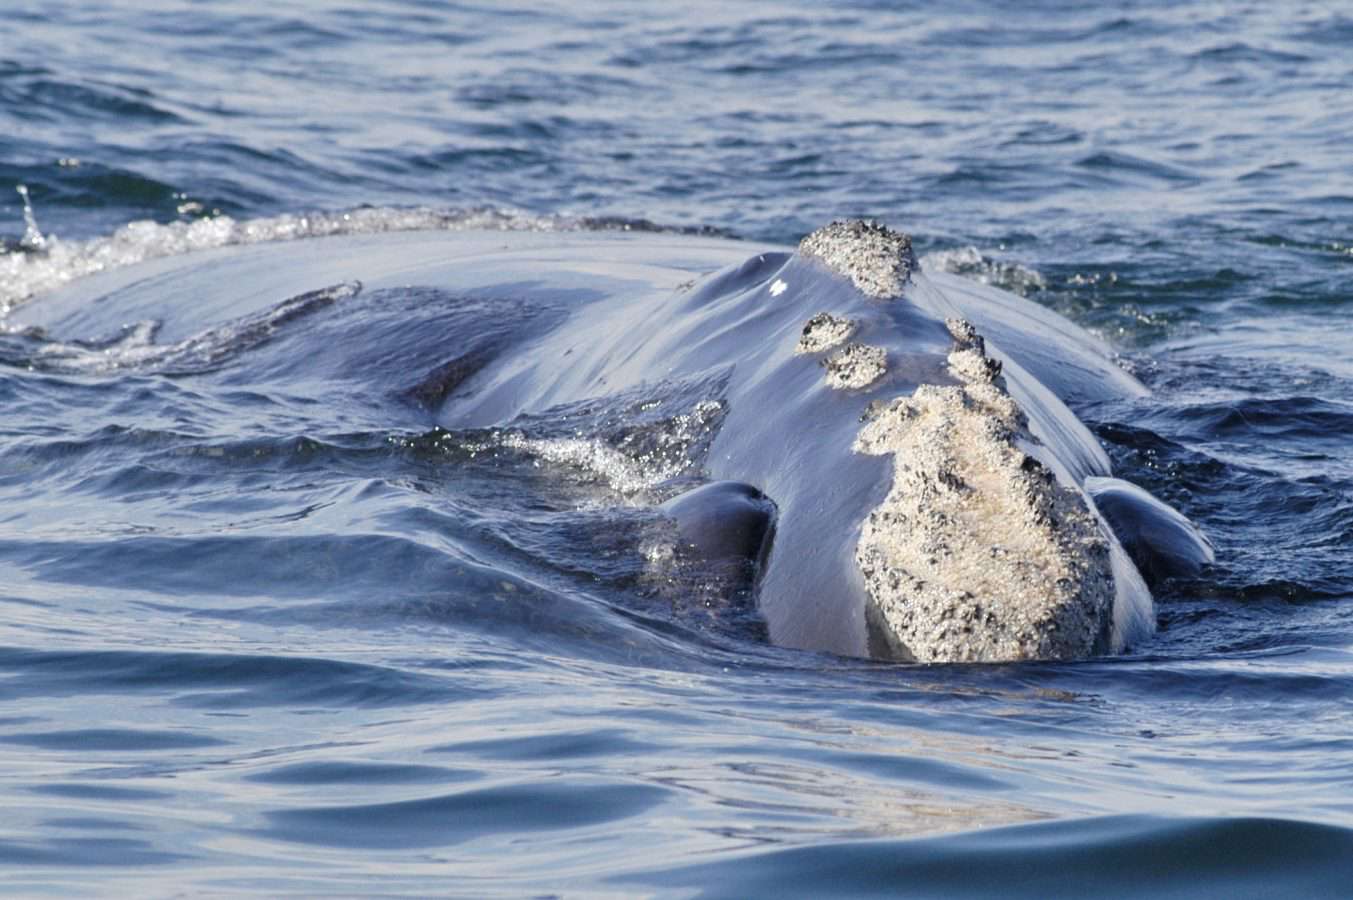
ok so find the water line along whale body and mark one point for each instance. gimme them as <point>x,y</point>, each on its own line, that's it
<point>893,458</point>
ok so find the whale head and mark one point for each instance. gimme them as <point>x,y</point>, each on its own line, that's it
<point>980,544</point>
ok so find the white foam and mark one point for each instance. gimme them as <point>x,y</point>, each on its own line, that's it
<point>631,475</point>
<point>42,263</point>
<point>33,238</point>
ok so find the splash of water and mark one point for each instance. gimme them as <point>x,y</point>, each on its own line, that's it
<point>33,238</point>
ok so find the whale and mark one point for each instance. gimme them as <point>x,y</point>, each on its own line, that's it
<point>889,462</point>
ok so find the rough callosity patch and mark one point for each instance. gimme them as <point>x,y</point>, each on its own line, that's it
<point>855,366</point>
<point>878,260</point>
<point>823,332</point>
<point>969,360</point>
<point>965,335</point>
<point>978,553</point>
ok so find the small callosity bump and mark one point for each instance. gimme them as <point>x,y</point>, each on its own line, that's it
<point>855,366</point>
<point>824,332</point>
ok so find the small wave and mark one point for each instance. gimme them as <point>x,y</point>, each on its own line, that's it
<point>440,820</point>
<point>135,349</point>
<point>1127,855</point>
<point>111,739</point>
<point>1301,419</point>
<point>238,680</point>
<point>1127,166</point>
<point>1241,52</point>
<point>40,93</point>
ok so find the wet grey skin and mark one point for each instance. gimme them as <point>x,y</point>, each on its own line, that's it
<point>724,520</point>
<point>834,358</point>
<point>1161,541</point>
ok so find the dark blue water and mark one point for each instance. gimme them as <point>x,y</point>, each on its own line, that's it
<point>266,641</point>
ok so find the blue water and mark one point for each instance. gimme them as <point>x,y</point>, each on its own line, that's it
<point>246,647</point>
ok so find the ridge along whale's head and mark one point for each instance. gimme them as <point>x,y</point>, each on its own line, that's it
<point>979,543</point>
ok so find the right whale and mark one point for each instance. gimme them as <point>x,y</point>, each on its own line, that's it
<point>897,461</point>
<point>891,467</point>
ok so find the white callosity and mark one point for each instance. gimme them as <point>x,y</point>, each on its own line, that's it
<point>824,332</point>
<point>855,366</point>
<point>978,553</point>
<point>876,259</point>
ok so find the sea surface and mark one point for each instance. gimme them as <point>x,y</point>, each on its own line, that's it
<point>251,647</point>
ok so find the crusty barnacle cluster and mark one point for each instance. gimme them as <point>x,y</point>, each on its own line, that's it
<point>977,553</point>
<point>877,260</point>
<point>855,366</point>
<point>823,332</point>
<point>850,367</point>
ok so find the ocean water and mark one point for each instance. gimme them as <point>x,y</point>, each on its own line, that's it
<point>266,641</point>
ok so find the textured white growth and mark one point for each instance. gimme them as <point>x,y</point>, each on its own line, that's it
<point>823,332</point>
<point>978,553</point>
<point>877,260</point>
<point>855,366</point>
